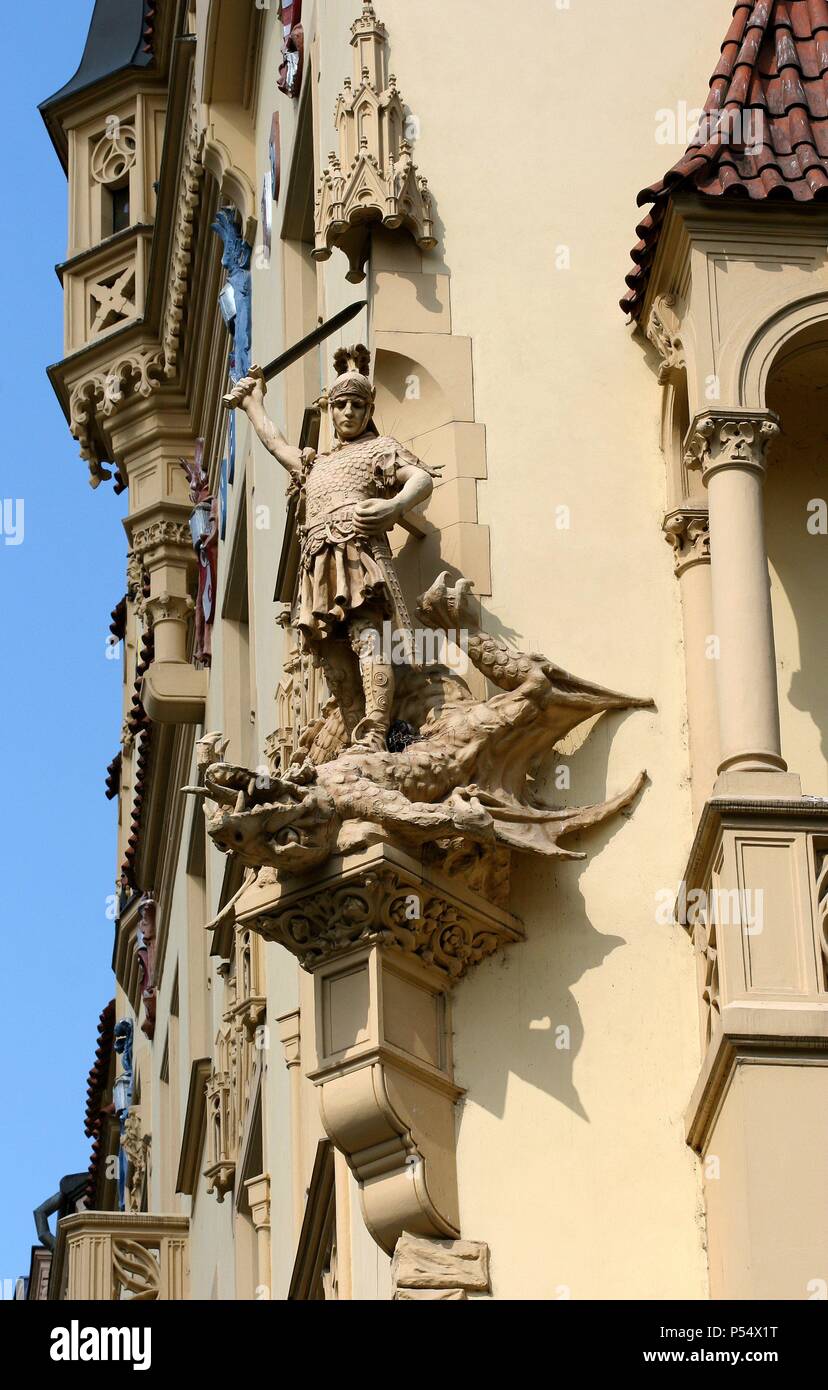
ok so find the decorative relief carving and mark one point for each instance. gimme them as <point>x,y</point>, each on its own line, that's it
<point>189,196</point>
<point>112,299</point>
<point>688,532</point>
<point>373,178</point>
<point>300,699</point>
<point>158,533</point>
<point>136,1271</point>
<point>114,154</point>
<point>391,909</point>
<point>822,903</point>
<point>664,332</point>
<point>229,1087</point>
<point>730,439</point>
<point>136,373</point>
<point>706,946</point>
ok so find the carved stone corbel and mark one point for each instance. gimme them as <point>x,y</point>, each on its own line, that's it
<point>664,332</point>
<point>386,939</point>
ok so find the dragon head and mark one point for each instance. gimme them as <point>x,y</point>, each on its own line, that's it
<point>284,823</point>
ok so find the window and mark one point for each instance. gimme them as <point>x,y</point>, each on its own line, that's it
<point>120,207</point>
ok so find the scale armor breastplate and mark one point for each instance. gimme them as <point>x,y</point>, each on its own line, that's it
<point>341,480</point>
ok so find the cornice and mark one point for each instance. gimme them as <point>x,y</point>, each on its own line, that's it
<point>692,219</point>
<point>102,248</point>
<point>720,809</point>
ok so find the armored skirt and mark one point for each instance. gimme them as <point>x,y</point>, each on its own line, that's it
<point>339,572</point>
<point>338,578</point>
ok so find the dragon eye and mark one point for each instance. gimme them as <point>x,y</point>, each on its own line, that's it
<point>288,836</point>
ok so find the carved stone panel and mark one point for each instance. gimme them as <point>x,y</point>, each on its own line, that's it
<point>381,897</point>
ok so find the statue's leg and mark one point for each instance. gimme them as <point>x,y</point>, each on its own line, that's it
<point>377,674</point>
<point>341,673</point>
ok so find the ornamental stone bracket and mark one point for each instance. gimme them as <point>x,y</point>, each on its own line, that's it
<point>664,332</point>
<point>373,178</point>
<point>386,938</point>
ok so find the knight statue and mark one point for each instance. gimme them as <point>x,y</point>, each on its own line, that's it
<point>349,500</point>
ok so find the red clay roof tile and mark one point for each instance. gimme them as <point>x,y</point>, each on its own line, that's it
<point>96,1086</point>
<point>771,143</point>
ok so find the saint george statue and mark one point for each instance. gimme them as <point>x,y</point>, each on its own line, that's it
<point>349,500</point>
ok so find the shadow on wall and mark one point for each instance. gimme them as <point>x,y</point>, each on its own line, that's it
<point>798,477</point>
<point>534,988</point>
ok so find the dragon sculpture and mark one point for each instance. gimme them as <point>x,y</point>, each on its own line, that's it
<point>460,790</point>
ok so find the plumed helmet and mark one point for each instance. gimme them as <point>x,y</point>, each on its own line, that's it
<point>352,366</point>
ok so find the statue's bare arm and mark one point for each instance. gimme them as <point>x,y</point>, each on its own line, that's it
<point>378,514</point>
<point>248,394</point>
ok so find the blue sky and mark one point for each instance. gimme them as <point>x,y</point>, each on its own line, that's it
<point>60,698</point>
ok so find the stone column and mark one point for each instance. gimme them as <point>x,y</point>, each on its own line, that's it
<point>173,690</point>
<point>687,528</point>
<point>258,1196</point>
<point>290,1038</point>
<point>730,447</point>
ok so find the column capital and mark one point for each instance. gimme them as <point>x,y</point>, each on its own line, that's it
<point>167,607</point>
<point>688,531</point>
<point>258,1196</point>
<point>161,536</point>
<point>290,1037</point>
<point>719,439</point>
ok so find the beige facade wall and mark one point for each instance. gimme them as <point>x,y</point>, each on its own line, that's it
<point>579,1048</point>
<point>761,1146</point>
